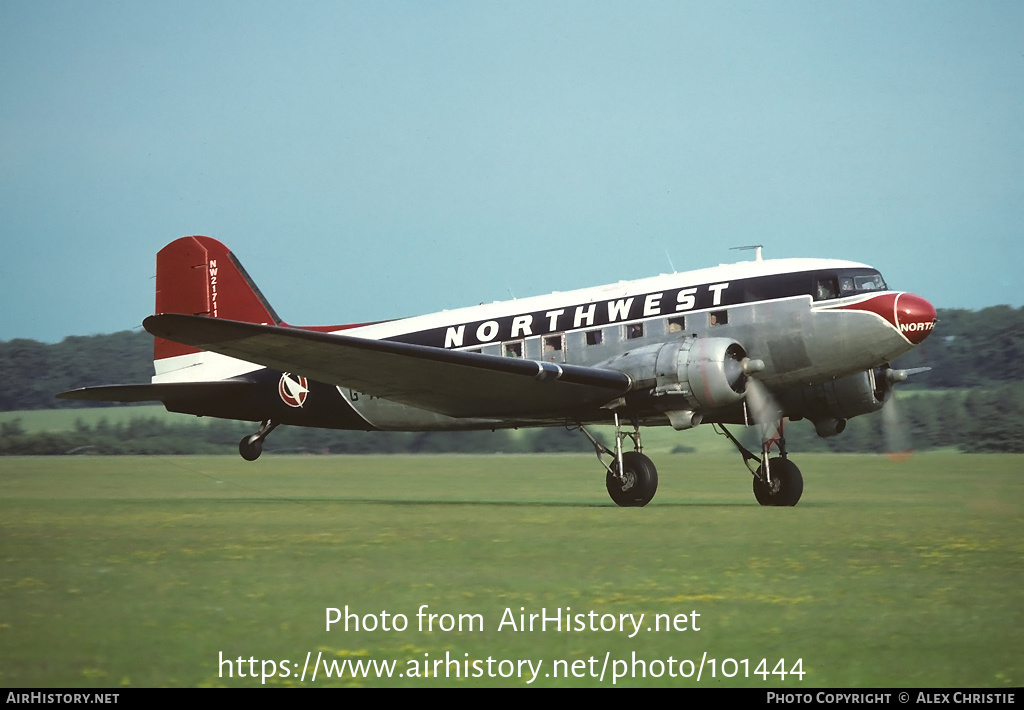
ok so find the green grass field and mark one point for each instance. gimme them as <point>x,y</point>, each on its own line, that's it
<point>143,571</point>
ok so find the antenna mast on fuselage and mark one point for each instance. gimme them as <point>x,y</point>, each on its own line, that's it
<point>757,250</point>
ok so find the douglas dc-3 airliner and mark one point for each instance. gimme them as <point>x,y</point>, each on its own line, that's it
<point>746,343</point>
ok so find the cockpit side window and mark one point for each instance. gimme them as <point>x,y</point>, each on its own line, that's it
<point>826,288</point>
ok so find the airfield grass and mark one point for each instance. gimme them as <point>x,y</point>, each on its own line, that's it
<point>147,571</point>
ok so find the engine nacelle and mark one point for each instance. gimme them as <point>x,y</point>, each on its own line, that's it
<point>686,376</point>
<point>831,403</point>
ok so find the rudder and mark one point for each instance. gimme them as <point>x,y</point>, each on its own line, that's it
<point>200,276</point>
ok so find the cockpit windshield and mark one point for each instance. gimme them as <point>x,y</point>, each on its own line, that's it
<point>851,283</point>
<point>847,282</point>
<point>822,285</point>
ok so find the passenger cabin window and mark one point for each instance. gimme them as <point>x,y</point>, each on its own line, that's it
<point>719,317</point>
<point>514,349</point>
<point>635,330</point>
<point>594,337</point>
<point>677,324</point>
<point>553,348</point>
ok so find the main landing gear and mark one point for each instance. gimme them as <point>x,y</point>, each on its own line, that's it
<point>777,481</point>
<point>632,479</point>
<point>250,447</point>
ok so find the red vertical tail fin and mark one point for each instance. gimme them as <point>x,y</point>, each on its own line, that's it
<point>200,276</point>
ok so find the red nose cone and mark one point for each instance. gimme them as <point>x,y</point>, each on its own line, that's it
<point>915,317</point>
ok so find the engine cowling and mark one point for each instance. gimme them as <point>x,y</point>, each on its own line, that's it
<point>686,376</point>
<point>831,403</point>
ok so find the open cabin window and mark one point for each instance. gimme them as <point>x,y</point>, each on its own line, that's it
<point>554,348</point>
<point>514,349</point>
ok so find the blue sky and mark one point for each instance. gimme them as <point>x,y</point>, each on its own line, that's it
<point>368,160</point>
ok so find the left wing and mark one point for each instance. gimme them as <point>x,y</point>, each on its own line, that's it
<point>454,383</point>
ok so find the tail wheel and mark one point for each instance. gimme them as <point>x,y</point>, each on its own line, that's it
<point>250,447</point>
<point>638,483</point>
<point>786,487</point>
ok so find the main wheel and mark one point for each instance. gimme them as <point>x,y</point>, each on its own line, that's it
<point>637,485</point>
<point>250,447</point>
<point>786,487</point>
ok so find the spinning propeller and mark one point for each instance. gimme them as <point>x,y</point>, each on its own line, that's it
<point>762,407</point>
<point>895,431</point>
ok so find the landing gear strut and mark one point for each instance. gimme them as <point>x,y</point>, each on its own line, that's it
<point>632,479</point>
<point>777,481</point>
<point>250,447</point>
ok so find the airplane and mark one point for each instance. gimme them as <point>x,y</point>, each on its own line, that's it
<point>750,343</point>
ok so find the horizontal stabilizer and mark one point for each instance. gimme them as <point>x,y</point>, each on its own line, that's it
<point>167,392</point>
<point>450,382</point>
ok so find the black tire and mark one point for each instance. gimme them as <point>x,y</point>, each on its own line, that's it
<point>787,484</point>
<point>638,486</point>
<point>250,447</point>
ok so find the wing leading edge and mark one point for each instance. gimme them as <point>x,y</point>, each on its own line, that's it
<point>453,383</point>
